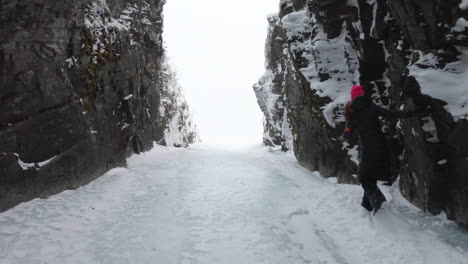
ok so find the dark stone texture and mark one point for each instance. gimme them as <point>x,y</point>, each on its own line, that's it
<point>270,91</point>
<point>88,95</point>
<point>386,37</point>
<point>315,143</point>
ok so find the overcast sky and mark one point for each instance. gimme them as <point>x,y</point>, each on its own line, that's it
<point>217,48</point>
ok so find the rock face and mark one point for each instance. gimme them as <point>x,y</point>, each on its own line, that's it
<point>398,51</point>
<point>83,85</point>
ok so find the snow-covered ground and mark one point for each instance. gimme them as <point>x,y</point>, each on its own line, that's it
<point>213,205</point>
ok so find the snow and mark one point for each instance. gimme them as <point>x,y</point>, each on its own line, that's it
<point>335,57</point>
<point>461,25</point>
<point>135,10</point>
<point>71,62</point>
<point>104,28</point>
<point>174,111</point>
<point>353,3</point>
<point>296,23</point>
<point>442,162</point>
<point>374,5</point>
<point>271,98</point>
<point>447,84</point>
<point>353,152</point>
<point>429,126</point>
<point>265,87</point>
<point>213,205</point>
<point>464,4</point>
<point>33,165</point>
<point>94,17</point>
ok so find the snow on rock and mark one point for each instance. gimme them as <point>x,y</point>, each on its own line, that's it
<point>66,94</point>
<point>134,13</point>
<point>180,129</point>
<point>396,50</point>
<point>103,27</point>
<point>331,65</point>
<point>353,152</point>
<point>296,23</point>
<point>128,97</point>
<point>298,85</point>
<point>448,84</point>
<point>71,61</point>
<point>33,165</point>
<point>275,122</point>
<point>270,93</point>
<point>464,4</point>
<point>430,127</point>
<point>461,25</point>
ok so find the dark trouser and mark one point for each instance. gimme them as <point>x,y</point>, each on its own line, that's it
<point>373,197</point>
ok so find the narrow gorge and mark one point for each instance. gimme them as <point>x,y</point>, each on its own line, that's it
<point>86,84</point>
<point>403,53</point>
<point>83,85</point>
<point>101,160</point>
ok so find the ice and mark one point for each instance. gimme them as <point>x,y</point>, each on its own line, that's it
<point>215,205</point>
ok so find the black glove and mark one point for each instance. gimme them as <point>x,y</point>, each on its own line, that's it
<point>422,100</point>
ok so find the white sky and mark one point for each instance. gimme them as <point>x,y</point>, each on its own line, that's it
<point>217,48</point>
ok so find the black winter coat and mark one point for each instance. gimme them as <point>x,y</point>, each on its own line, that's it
<point>364,119</point>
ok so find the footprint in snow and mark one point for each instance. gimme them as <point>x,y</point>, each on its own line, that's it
<point>298,212</point>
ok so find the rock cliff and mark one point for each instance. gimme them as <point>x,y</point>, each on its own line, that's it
<point>398,51</point>
<point>83,85</point>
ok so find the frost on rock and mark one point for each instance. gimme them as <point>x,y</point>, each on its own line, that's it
<point>134,14</point>
<point>330,65</point>
<point>270,93</point>
<point>306,84</point>
<point>103,28</point>
<point>271,101</point>
<point>180,129</point>
<point>33,165</point>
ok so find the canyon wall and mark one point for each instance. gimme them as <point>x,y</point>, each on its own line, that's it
<point>404,54</point>
<point>83,85</point>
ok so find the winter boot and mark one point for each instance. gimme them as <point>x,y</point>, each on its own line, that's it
<point>377,201</point>
<point>376,198</point>
<point>366,203</point>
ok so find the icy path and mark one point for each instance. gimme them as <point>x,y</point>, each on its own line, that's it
<point>203,205</point>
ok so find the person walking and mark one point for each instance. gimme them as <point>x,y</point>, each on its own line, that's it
<point>362,117</point>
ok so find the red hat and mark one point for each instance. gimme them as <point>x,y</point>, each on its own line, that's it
<point>356,90</point>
